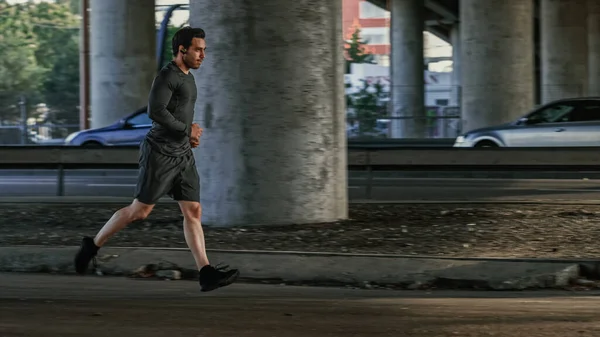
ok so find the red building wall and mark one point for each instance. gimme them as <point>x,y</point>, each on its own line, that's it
<point>351,18</point>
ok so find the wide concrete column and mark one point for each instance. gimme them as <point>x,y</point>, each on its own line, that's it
<point>497,61</point>
<point>594,47</point>
<point>271,100</point>
<point>122,57</point>
<point>564,48</point>
<point>407,70</point>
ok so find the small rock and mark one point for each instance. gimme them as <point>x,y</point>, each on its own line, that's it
<point>145,271</point>
<point>169,274</point>
<point>584,282</point>
<point>415,286</point>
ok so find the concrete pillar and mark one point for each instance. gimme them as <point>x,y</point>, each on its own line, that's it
<point>497,61</point>
<point>564,49</point>
<point>456,65</point>
<point>594,47</point>
<point>271,100</point>
<point>407,70</point>
<point>123,61</point>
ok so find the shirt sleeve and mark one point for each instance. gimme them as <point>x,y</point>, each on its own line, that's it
<point>160,94</point>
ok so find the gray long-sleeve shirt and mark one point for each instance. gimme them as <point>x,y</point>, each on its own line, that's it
<point>171,108</point>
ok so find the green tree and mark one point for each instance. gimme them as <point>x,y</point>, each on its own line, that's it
<point>367,105</point>
<point>356,51</point>
<point>57,30</point>
<point>43,63</point>
<point>74,5</point>
<point>20,72</point>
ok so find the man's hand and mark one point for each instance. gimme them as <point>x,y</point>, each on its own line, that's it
<point>195,135</point>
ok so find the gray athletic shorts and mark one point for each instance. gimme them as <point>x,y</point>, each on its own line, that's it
<point>161,175</point>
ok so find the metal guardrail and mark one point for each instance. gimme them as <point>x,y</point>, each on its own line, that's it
<point>399,143</point>
<point>62,158</point>
<point>360,157</point>
<point>537,159</point>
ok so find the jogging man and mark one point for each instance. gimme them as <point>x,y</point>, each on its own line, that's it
<point>167,165</point>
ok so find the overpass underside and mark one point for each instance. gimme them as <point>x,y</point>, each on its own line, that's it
<point>509,55</point>
<point>439,17</point>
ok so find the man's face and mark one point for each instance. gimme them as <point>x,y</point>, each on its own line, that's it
<point>195,53</point>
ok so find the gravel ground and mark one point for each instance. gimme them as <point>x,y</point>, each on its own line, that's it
<point>424,229</point>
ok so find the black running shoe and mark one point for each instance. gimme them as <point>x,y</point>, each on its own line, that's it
<point>212,278</point>
<point>87,252</point>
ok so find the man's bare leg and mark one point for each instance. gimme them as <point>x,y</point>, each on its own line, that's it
<point>210,278</point>
<point>121,218</point>
<point>192,230</point>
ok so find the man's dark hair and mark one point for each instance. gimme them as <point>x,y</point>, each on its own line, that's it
<point>184,36</point>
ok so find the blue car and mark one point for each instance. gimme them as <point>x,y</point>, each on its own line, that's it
<point>129,130</point>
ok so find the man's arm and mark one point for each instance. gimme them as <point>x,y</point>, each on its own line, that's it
<point>160,94</point>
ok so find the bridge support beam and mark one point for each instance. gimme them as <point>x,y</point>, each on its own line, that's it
<point>456,65</point>
<point>123,61</point>
<point>408,83</point>
<point>564,49</point>
<point>594,47</point>
<point>271,100</point>
<point>497,61</point>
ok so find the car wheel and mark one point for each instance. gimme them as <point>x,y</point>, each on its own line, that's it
<point>486,143</point>
<point>91,144</point>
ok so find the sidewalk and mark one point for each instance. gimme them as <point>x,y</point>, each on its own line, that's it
<point>357,270</point>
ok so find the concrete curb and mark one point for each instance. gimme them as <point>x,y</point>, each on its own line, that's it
<point>126,200</point>
<point>318,268</point>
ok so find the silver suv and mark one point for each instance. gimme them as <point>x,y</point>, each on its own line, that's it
<point>566,122</point>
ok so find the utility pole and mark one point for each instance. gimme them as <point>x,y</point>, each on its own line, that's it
<point>84,67</point>
<point>23,108</point>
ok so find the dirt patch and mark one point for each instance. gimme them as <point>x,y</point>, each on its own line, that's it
<point>424,229</point>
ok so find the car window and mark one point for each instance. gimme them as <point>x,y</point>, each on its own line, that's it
<point>558,113</point>
<point>587,112</point>
<point>141,119</point>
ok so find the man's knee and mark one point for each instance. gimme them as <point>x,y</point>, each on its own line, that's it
<point>138,211</point>
<point>191,210</point>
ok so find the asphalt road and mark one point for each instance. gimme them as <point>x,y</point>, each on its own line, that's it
<point>48,306</point>
<point>385,186</point>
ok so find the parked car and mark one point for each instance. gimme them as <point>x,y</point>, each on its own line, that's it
<point>129,130</point>
<point>567,123</point>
